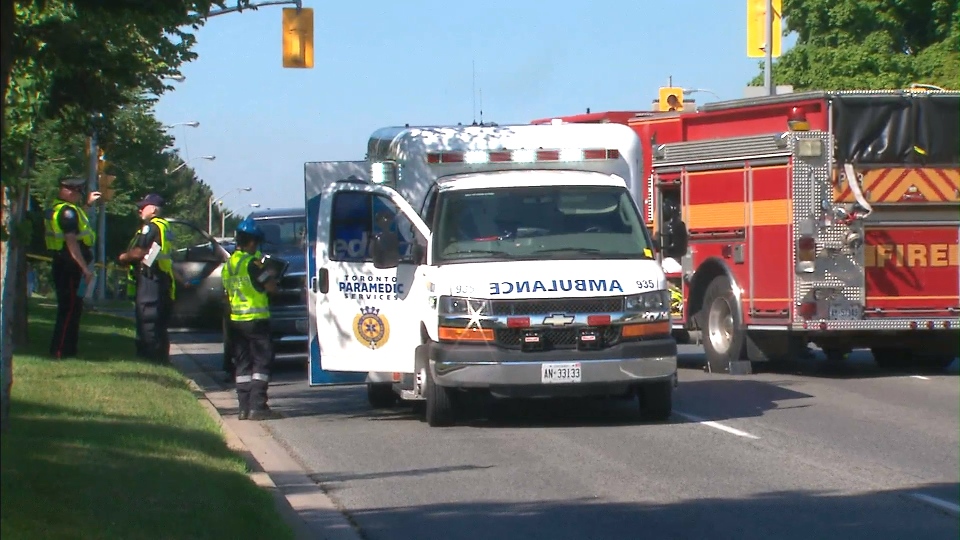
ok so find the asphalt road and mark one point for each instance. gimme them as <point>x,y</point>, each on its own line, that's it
<point>804,454</point>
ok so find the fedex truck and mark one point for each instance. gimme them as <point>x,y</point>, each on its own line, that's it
<point>508,260</point>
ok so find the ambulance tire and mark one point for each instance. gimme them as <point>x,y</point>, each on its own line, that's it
<point>721,322</point>
<point>439,410</point>
<point>381,395</point>
<point>656,401</point>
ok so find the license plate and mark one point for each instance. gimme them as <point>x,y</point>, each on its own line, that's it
<point>560,373</point>
<point>846,312</point>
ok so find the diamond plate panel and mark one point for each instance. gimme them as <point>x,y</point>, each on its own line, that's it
<point>838,266</point>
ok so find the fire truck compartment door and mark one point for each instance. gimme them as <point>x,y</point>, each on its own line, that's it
<point>318,176</point>
<point>367,319</point>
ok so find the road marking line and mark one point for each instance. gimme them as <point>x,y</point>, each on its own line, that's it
<point>716,425</point>
<point>939,503</point>
<point>921,377</point>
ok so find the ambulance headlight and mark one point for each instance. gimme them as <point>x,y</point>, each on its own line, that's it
<point>456,305</point>
<point>648,301</point>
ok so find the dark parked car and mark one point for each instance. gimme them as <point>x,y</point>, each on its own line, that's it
<point>201,303</point>
<point>285,237</point>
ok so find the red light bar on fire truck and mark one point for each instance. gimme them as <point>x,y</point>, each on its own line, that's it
<point>523,156</point>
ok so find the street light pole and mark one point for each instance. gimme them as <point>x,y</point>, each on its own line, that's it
<point>223,217</point>
<point>192,124</point>
<point>185,163</point>
<point>768,52</point>
<point>220,198</point>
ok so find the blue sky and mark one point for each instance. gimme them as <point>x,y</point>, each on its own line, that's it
<point>386,63</point>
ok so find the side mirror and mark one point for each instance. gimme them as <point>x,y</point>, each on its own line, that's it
<point>386,250</point>
<point>675,239</point>
<point>418,253</point>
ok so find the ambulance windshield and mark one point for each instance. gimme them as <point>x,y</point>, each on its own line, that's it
<point>536,223</point>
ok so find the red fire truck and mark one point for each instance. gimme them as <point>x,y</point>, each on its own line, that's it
<point>823,217</point>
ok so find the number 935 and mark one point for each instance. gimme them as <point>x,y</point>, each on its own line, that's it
<point>645,284</point>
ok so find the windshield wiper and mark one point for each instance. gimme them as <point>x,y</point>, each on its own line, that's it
<point>567,250</point>
<point>475,252</point>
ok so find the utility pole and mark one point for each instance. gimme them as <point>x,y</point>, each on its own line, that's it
<point>93,184</point>
<point>768,52</point>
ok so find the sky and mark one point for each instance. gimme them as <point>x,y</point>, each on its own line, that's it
<point>424,62</point>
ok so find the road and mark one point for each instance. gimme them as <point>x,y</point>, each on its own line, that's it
<point>801,454</point>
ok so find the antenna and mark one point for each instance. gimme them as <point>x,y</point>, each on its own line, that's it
<point>473,90</point>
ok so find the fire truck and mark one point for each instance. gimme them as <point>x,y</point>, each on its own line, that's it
<point>829,218</point>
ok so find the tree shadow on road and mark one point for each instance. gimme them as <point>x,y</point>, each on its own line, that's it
<point>782,515</point>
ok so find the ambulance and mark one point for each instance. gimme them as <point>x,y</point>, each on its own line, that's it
<point>506,260</point>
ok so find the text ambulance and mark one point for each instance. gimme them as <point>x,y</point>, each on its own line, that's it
<point>510,260</point>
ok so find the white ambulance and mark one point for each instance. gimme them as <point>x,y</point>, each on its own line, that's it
<point>510,260</point>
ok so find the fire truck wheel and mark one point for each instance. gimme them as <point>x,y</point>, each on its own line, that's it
<point>933,363</point>
<point>439,408</point>
<point>381,395</point>
<point>722,324</point>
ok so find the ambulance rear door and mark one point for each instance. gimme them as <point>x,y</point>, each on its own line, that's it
<point>365,318</point>
<point>317,177</point>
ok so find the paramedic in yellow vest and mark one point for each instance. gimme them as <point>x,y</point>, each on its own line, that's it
<point>156,286</point>
<point>70,239</point>
<point>246,285</point>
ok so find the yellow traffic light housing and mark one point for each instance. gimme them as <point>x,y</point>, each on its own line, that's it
<point>671,99</point>
<point>757,28</point>
<point>297,37</point>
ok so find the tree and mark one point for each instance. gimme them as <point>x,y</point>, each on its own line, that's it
<point>870,44</point>
<point>72,61</point>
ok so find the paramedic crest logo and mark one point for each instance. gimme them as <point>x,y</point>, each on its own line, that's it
<point>370,328</point>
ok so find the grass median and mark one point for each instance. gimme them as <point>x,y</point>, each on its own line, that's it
<point>105,447</point>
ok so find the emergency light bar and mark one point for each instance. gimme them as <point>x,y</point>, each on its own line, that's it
<point>522,156</point>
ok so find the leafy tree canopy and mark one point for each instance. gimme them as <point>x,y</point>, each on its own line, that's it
<point>870,44</point>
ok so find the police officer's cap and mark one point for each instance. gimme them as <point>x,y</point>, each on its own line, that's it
<point>150,198</point>
<point>72,182</point>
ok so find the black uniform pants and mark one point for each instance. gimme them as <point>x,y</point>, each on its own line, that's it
<point>153,317</point>
<point>253,356</point>
<point>66,331</point>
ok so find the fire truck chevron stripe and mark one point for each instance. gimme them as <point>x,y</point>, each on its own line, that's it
<point>895,184</point>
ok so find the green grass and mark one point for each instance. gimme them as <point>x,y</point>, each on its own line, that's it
<point>104,447</point>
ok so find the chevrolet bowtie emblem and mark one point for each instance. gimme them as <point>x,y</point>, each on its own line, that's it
<point>559,319</point>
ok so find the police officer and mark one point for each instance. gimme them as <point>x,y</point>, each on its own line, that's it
<point>246,283</point>
<point>70,238</point>
<point>156,286</point>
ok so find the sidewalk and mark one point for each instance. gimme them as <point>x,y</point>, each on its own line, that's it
<point>308,510</point>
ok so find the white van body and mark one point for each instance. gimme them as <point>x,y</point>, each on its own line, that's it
<point>510,260</point>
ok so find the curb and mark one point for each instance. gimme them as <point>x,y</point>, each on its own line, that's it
<point>302,504</point>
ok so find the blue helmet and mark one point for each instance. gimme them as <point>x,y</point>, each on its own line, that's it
<point>250,228</point>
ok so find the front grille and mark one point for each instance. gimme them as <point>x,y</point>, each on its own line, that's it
<point>291,291</point>
<point>554,338</point>
<point>546,306</point>
<point>292,282</point>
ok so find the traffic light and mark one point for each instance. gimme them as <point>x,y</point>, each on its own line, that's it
<point>297,37</point>
<point>757,27</point>
<point>671,98</point>
<point>105,183</point>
